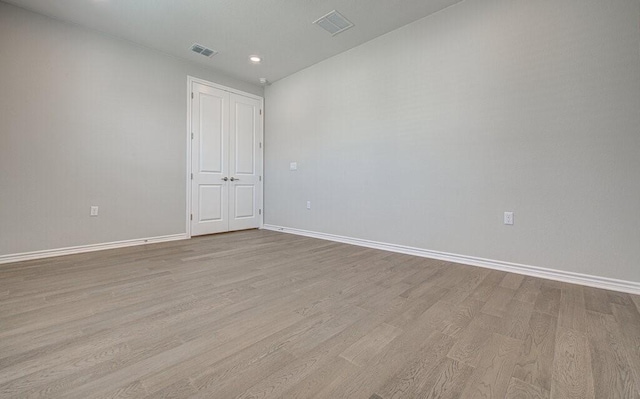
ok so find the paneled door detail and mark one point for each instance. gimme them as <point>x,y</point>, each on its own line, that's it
<point>226,161</point>
<point>209,160</point>
<point>244,161</point>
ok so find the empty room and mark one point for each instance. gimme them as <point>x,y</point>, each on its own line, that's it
<point>367,199</point>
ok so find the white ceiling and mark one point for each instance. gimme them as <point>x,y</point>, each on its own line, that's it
<point>280,31</point>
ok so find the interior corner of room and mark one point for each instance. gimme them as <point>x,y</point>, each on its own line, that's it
<point>421,141</point>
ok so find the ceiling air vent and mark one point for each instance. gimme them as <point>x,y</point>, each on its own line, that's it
<point>200,49</point>
<point>333,23</point>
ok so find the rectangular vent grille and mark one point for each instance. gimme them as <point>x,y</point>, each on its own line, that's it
<point>200,49</point>
<point>334,23</point>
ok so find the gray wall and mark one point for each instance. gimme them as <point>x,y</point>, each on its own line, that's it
<point>89,120</point>
<point>425,136</point>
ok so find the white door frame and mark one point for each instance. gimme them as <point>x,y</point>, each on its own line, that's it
<point>190,81</point>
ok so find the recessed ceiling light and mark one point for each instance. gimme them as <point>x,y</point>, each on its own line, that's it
<point>255,59</point>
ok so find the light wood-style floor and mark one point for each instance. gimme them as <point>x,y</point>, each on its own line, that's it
<point>259,314</point>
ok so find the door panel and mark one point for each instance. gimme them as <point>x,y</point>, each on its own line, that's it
<point>211,132</point>
<point>244,206</point>
<point>211,201</point>
<point>245,160</point>
<point>209,163</point>
<point>245,138</point>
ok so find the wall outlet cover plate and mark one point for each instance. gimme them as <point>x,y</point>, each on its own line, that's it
<point>508,218</point>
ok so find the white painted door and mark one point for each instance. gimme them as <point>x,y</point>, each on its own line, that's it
<point>245,163</point>
<point>209,160</point>
<point>226,161</point>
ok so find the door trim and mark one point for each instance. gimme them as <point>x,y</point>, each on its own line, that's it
<point>190,81</point>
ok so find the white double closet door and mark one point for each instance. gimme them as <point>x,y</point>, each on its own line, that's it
<point>226,160</point>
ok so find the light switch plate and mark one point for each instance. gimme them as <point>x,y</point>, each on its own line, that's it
<point>94,211</point>
<point>293,166</point>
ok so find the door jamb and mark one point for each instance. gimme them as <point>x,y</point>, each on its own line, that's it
<point>190,81</point>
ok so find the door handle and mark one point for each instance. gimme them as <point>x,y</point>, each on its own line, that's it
<point>234,179</point>
<point>225,178</point>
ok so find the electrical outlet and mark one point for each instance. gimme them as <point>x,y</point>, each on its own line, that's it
<point>94,211</point>
<point>293,166</point>
<point>308,204</point>
<point>508,218</point>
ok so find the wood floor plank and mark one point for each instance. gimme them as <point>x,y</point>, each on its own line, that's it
<point>512,281</point>
<point>235,358</point>
<point>498,301</point>
<point>165,360</point>
<point>411,379</point>
<point>228,378</point>
<point>133,391</point>
<point>446,381</point>
<point>325,331</point>
<point>628,321</point>
<point>32,360</point>
<point>548,300</point>
<point>572,310</point>
<point>56,381</point>
<point>468,347</point>
<point>269,315</point>
<point>317,380</point>
<point>484,290</point>
<point>306,364</point>
<point>464,288</point>
<point>514,323</point>
<point>361,352</point>
<point>492,376</point>
<point>572,370</point>
<point>459,317</point>
<point>409,345</point>
<point>516,319</point>
<point>179,389</point>
<point>383,297</point>
<point>613,377</point>
<point>636,300</point>
<point>596,300</point>
<point>403,353</point>
<point>416,308</point>
<point>620,298</point>
<point>521,390</point>
<point>529,290</point>
<point>535,361</point>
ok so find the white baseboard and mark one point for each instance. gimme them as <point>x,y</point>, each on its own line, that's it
<point>88,248</point>
<point>630,287</point>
